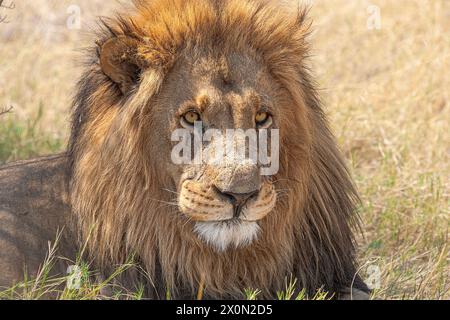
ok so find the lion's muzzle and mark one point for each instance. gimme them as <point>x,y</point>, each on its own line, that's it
<point>226,219</point>
<point>206,203</point>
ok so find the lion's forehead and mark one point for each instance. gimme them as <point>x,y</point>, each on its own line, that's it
<point>210,82</point>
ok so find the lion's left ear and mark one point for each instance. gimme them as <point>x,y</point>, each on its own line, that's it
<point>120,62</point>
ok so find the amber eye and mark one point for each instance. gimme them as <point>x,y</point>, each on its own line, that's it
<point>190,118</point>
<point>263,119</point>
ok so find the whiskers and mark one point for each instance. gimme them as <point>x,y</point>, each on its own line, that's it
<point>173,203</point>
<point>171,191</point>
<point>167,203</point>
<point>187,219</point>
<point>286,179</point>
<point>282,193</point>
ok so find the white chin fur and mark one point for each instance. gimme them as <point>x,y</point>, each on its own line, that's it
<point>222,235</point>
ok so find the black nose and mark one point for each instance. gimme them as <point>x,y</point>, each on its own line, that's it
<point>239,200</point>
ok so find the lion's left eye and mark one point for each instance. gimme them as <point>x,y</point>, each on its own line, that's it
<point>263,119</point>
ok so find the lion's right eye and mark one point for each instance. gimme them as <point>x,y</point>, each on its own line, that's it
<point>190,118</point>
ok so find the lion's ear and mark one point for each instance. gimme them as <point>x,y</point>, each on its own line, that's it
<point>119,61</point>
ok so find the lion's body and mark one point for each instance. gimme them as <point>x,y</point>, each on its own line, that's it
<point>34,207</point>
<point>120,171</point>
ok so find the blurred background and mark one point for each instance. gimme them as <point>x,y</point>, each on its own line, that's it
<point>383,68</point>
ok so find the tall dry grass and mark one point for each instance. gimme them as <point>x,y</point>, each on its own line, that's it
<point>387,95</point>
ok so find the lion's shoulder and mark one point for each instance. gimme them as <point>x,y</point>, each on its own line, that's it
<point>25,185</point>
<point>33,207</point>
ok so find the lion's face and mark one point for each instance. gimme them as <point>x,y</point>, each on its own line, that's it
<point>228,197</point>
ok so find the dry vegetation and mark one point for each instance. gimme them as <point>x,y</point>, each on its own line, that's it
<point>387,95</point>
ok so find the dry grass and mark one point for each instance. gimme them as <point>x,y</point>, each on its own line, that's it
<point>387,93</point>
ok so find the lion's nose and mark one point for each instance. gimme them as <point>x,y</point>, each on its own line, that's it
<point>239,200</point>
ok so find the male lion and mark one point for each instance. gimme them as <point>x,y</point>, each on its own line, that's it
<point>235,64</point>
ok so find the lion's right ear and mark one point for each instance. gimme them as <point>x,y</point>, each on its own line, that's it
<point>119,61</point>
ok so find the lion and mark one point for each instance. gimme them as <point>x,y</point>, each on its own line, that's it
<point>163,66</point>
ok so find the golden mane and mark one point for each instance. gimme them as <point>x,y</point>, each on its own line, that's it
<point>116,187</point>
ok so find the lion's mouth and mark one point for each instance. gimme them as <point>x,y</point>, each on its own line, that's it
<point>221,222</point>
<point>230,222</point>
